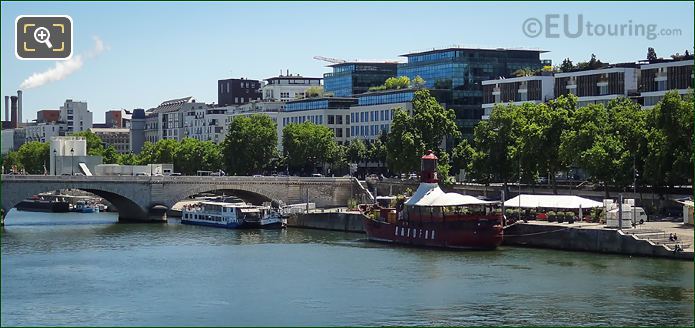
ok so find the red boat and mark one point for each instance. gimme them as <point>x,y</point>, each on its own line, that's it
<point>433,218</point>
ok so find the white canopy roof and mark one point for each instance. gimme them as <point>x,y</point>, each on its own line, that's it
<point>429,194</point>
<point>552,201</point>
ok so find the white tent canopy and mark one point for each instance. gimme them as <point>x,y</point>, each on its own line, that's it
<point>552,201</point>
<point>429,194</point>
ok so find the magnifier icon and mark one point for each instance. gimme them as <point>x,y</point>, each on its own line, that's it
<point>42,35</point>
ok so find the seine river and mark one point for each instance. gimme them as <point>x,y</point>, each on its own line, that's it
<point>85,269</point>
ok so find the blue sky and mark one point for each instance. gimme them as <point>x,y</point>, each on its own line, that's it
<point>164,50</point>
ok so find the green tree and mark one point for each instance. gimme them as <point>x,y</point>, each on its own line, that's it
<point>250,144</point>
<point>431,121</point>
<point>551,119</point>
<point>161,152</point>
<point>95,146</point>
<point>193,155</point>
<point>495,142</point>
<point>412,134</point>
<point>669,158</point>
<point>417,83</point>
<point>313,92</point>
<point>443,168</point>
<point>307,145</point>
<point>592,143</point>
<point>34,157</point>
<point>12,161</point>
<point>356,151</point>
<point>109,155</point>
<point>567,65</point>
<point>376,151</point>
<point>651,54</point>
<point>462,157</point>
<point>127,159</point>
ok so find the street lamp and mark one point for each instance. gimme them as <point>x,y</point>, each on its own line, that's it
<point>55,161</point>
<point>72,161</point>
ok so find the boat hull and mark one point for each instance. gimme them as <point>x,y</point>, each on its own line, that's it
<point>211,224</point>
<point>472,234</point>
<point>43,206</point>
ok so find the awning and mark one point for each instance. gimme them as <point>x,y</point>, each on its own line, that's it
<point>552,201</point>
<point>429,194</point>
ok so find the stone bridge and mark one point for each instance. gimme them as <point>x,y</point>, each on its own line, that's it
<point>135,197</point>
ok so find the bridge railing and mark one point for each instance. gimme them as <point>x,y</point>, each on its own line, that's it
<point>160,179</point>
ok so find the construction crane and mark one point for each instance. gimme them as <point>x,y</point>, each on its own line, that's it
<point>330,60</point>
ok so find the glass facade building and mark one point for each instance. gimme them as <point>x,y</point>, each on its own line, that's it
<point>385,98</point>
<point>349,79</point>
<point>456,74</point>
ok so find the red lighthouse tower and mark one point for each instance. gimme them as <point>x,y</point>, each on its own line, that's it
<point>428,168</point>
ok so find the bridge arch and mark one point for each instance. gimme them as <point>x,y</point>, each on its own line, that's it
<point>128,208</point>
<point>253,197</point>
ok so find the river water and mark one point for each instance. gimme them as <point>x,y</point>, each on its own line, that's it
<point>86,269</point>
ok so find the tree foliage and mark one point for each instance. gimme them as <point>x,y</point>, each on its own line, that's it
<point>34,157</point>
<point>356,151</point>
<point>669,154</point>
<point>567,65</point>
<point>411,135</point>
<point>192,155</point>
<point>307,145</point>
<point>250,144</point>
<point>651,54</point>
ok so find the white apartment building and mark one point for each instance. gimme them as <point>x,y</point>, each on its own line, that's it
<point>516,91</point>
<point>662,76</point>
<point>76,116</point>
<point>598,86</point>
<point>287,87</point>
<point>43,132</point>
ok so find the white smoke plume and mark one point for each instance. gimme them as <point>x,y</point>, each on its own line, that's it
<point>63,69</point>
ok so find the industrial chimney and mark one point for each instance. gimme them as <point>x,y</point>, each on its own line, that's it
<point>19,107</point>
<point>7,108</point>
<point>13,114</point>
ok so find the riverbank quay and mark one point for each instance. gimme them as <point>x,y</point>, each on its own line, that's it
<point>650,239</point>
<point>333,219</point>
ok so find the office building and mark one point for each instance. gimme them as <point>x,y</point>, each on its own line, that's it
<point>237,91</point>
<point>76,116</point>
<point>661,76</point>
<point>119,138</point>
<point>373,113</point>
<point>459,71</point>
<point>352,78</point>
<point>517,90</point>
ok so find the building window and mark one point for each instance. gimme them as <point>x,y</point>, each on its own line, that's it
<point>661,85</point>
<point>603,89</point>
